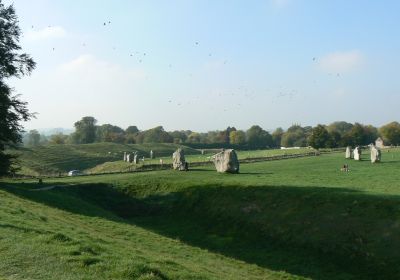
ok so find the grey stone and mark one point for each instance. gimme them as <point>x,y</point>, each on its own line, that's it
<point>348,152</point>
<point>226,161</point>
<point>129,158</point>
<point>375,154</point>
<point>151,154</point>
<point>135,158</point>
<point>125,156</point>
<point>178,160</point>
<point>357,153</point>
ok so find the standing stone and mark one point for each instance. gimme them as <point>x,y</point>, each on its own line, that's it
<point>151,154</point>
<point>178,160</point>
<point>135,158</point>
<point>348,152</point>
<point>226,161</point>
<point>357,153</point>
<point>375,154</point>
<point>129,158</point>
<point>125,156</point>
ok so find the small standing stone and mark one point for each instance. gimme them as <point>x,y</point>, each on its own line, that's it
<point>151,154</point>
<point>129,158</point>
<point>125,156</point>
<point>375,154</point>
<point>348,152</point>
<point>357,153</point>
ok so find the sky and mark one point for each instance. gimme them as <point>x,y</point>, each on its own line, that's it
<point>205,65</point>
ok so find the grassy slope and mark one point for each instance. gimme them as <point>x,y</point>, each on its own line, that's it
<point>52,159</point>
<point>302,216</point>
<point>121,166</point>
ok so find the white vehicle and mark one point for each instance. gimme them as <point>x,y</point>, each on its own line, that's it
<point>74,173</point>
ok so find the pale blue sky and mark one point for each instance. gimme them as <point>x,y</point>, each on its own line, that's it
<point>206,65</point>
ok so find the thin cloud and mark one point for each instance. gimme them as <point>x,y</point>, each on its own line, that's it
<point>339,62</point>
<point>50,32</point>
<point>91,69</point>
<point>280,3</point>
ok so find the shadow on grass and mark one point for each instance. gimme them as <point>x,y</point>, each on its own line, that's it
<point>317,232</point>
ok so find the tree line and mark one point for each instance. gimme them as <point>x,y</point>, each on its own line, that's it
<point>336,134</point>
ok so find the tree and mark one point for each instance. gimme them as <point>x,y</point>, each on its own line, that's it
<point>33,138</point>
<point>341,127</point>
<point>132,129</point>
<point>12,64</point>
<point>110,133</point>
<point>334,140</point>
<point>319,137</point>
<point>194,137</point>
<point>237,137</point>
<point>277,136</point>
<point>85,130</point>
<point>295,136</point>
<point>360,135</point>
<point>156,135</point>
<point>391,133</point>
<point>258,137</point>
<point>58,139</point>
<point>179,136</point>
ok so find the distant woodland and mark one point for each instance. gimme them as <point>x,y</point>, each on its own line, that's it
<point>336,134</point>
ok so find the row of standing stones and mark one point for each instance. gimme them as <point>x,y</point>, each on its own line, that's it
<point>356,154</point>
<point>225,161</point>
<point>134,157</point>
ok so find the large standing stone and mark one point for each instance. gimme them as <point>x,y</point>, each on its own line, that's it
<point>178,160</point>
<point>125,155</point>
<point>375,154</point>
<point>226,161</point>
<point>357,153</point>
<point>348,152</point>
<point>151,154</point>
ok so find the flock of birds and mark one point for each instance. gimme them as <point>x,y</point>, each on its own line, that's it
<point>241,92</point>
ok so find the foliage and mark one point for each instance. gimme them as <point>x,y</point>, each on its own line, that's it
<point>237,137</point>
<point>58,139</point>
<point>341,127</point>
<point>295,136</point>
<point>33,138</point>
<point>319,137</point>
<point>258,137</point>
<point>132,129</point>
<point>85,131</point>
<point>391,133</point>
<point>155,135</point>
<point>277,136</point>
<point>12,64</point>
<point>110,133</point>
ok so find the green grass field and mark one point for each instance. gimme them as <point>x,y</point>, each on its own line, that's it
<point>55,159</point>
<point>121,166</point>
<point>289,219</point>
